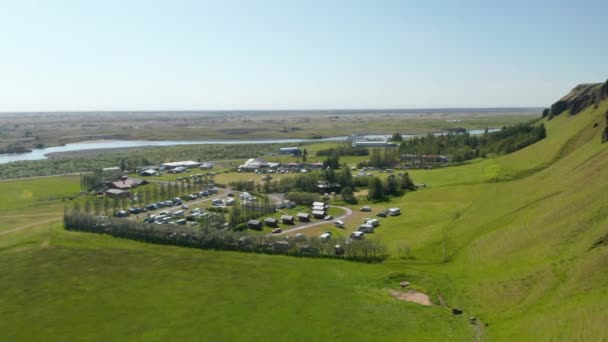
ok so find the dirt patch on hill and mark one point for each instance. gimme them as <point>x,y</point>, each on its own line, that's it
<point>412,296</point>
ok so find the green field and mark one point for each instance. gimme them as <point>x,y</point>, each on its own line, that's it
<point>506,239</point>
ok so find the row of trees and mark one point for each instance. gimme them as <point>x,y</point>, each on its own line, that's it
<point>204,238</point>
<point>344,150</point>
<point>466,146</point>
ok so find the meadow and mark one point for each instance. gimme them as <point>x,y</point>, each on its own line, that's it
<point>506,239</point>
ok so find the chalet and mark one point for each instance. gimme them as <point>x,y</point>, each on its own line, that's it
<point>254,224</point>
<point>287,219</point>
<point>126,183</point>
<point>271,222</point>
<point>319,204</point>
<point>318,208</point>
<point>117,193</point>
<point>318,214</point>
<point>303,217</point>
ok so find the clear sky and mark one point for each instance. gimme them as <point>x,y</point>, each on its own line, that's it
<point>186,55</point>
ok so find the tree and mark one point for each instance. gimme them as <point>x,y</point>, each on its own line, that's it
<point>376,189</point>
<point>106,205</point>
<point>397,137</point>
<point>406,182</point>
<point>304,155</point>
<point>348,195</point>
<point>97,205</point>
<point>87,206</point>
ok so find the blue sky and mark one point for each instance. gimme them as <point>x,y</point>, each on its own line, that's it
<point>183,55</point>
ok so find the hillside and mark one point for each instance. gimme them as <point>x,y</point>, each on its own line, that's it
<point>518,241</point>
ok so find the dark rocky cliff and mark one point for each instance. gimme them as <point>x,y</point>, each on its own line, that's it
<point>582,96</point>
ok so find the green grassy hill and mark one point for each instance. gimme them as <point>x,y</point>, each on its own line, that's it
<point>514,240</point>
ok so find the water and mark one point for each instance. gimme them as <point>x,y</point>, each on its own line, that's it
<point>41,153</point>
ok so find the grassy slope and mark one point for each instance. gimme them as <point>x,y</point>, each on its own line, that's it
<point>519,247</point>
<point>518,229</point>
<point>83,286</point>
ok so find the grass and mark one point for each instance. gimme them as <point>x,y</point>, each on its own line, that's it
<point>506,239</point>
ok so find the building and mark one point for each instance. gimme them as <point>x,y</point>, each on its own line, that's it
<point>271,222</point>
<point>117,193</point>
<point>318,214</point>
<point>294,151</point>
<point>317,165</point>
<point>185,164</point>
<point>254,224</point>
<point>373,143</point>
<point>111,169</point>
<point>126,183</point>
<point>254,164</point>
<point>287,219</point>
<point>303,217</point>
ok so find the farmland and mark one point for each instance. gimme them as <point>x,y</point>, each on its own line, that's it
<point>508,239</point>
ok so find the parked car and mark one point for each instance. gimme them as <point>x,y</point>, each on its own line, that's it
<point>339,223</point>
<point>329,218</point>
<point>366,208</point>
<point>185,206</point>
<point>121,213</point>
<point>381,214</point>
<point>277,230</point>
<point>325,236</point>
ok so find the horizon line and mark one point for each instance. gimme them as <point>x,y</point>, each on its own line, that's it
<point>272,110</point>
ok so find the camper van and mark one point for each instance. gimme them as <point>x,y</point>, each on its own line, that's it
<point>366,228</point>
<point>373,222</point>
<point>357,235</point>
<point>394,211</point>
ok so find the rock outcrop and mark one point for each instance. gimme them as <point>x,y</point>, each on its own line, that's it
<point>582,96</point>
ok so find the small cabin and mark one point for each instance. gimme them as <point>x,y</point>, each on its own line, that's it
<point>303,217</point>
<point>271,222</point>
<point>287,219</point>
<point>318,214</point>
<point>254,224</point>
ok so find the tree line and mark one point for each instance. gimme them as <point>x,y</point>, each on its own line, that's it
<point>464,146</point>
<point>218,239</point>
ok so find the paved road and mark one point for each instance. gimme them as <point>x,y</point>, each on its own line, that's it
<point>347,213</point>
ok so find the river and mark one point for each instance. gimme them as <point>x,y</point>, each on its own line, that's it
<point>41,153</point>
